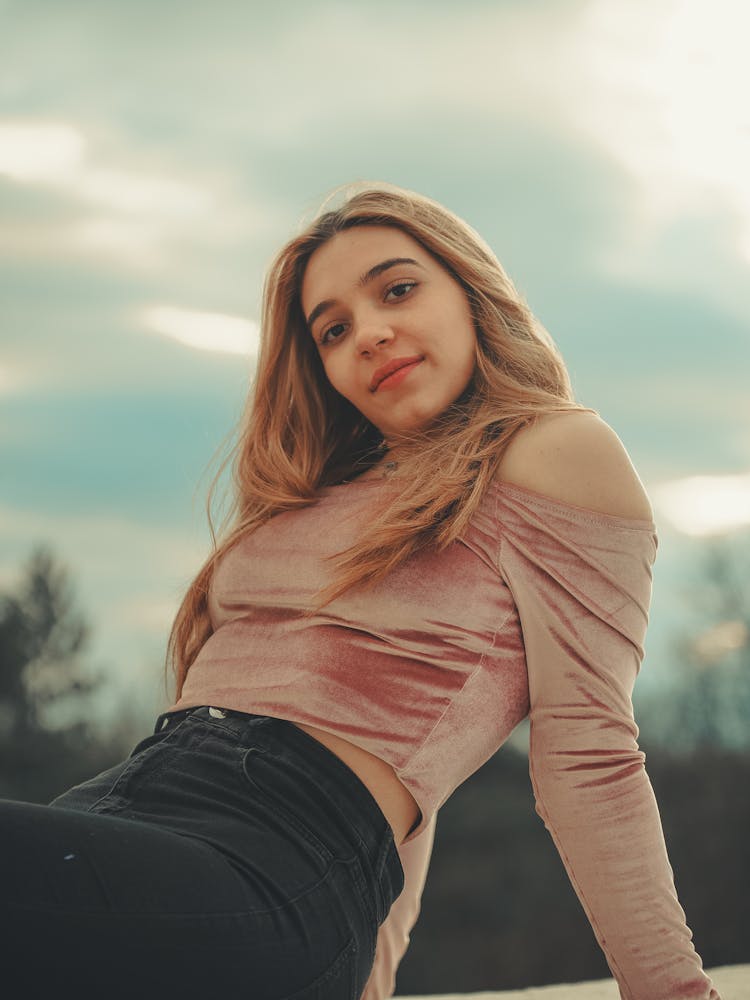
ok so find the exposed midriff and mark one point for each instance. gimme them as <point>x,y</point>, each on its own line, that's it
<point>396,802</point>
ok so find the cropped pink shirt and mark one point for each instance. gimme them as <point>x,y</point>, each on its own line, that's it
<point>539,609</point>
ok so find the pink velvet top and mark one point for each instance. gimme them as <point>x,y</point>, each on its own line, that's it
<point>540,609</point>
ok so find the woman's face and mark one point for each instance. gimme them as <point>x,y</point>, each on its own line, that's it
<point>375,300</point>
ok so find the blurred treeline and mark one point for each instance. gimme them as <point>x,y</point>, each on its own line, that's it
<point>498,911</point>
<point>44,673</point>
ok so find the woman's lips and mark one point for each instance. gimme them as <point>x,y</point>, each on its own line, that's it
<point>398,376</point>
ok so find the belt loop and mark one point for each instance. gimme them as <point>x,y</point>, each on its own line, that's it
<point>161,722</point>
<point>166,718</point>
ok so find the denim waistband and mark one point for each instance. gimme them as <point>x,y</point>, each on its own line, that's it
<point>326,772</point>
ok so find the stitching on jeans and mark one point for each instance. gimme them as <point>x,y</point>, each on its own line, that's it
<point>309,992</point>
<point>240,742</point>
<point>323,852</point>
<point>131,765</point>
<point>229,915</point>
<point>345,770</point>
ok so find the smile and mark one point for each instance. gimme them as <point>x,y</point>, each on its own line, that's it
<point>395,378</point>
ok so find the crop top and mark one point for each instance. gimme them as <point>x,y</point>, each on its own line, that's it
<point>539,609</point>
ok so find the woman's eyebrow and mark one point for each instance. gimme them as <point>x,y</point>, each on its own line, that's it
<point>365,279</point>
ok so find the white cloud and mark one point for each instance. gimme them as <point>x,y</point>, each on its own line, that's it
<point>661,88</point>
<point>129,214</point>
<point>56,155</point>
<point>205,331</point>
<point>138,241</point>
<point>127,192</point>
<point>116,208</point>
<point>11,380</point>
<point>36,152</point>
<point>677,77</point>
<point>705,505</point>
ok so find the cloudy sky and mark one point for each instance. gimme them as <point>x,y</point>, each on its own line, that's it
<point>153,156</point>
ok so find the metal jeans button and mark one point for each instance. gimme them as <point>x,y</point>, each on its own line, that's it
<point>217,713</point>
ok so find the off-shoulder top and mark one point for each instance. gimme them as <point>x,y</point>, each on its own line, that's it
<point>539,609</point>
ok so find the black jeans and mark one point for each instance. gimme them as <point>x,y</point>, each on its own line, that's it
<point>230,855</point>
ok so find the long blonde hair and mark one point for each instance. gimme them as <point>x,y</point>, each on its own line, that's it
<point>297,434</point>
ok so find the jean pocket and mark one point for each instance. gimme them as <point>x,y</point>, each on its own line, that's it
<point>258,770</point>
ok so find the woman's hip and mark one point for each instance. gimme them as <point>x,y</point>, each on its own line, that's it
<point>248,785</point>
<point>117,907</point>
<point>302,839</point>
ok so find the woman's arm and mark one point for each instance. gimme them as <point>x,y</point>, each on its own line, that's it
<point>393,936</point>
<point>582,586</point>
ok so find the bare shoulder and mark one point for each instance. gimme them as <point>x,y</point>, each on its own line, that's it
<point>576,457</point>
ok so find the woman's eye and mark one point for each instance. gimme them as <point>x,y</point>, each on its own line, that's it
<point>324,335</point>
<point>401,284</point>
<point>329,335</point>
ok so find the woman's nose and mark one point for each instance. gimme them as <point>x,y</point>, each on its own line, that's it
<point>372,334</point>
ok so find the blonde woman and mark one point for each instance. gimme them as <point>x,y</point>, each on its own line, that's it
<point>430,541</point>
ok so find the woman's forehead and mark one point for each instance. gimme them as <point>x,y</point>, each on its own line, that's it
<point>344,259</point>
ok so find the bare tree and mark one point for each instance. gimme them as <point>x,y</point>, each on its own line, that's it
<point>43,640</point>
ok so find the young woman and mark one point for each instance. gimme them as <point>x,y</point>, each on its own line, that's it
<point>430,541</point>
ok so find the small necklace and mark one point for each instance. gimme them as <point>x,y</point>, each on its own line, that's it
<point>386,470</point>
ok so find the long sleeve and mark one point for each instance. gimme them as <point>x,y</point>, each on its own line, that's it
<point>393,935</point>
<point>582,585</point>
